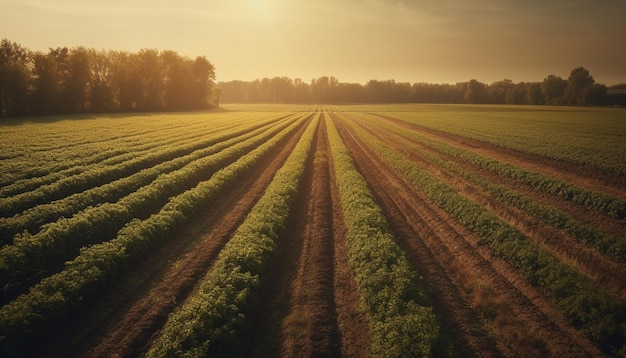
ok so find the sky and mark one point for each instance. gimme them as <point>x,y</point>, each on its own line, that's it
<point>434,41</point>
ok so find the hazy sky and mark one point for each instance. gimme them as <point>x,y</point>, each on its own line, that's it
<point>354,40</point>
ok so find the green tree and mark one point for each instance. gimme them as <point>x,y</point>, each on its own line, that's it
<point>578,80</point>
<point>553,89</point>
<point>14,78</point>
<point>76,80</point>
<point>594,94</point>
<point>45,96</point>
<point>476,92</point>
<point>533,94</point>
<point>150,73</point>
<point>497,91</point>
<point>204,92</point>
<point>101,92</point>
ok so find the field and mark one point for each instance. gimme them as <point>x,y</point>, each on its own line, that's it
<point>279,230</point>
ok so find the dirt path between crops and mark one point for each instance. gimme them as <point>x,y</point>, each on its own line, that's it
<point>310,302</point>
<point>125,320</point>
<point>480,298</point>
<point>598,219</point>
<point>605,271</point>
<point>584,177</point>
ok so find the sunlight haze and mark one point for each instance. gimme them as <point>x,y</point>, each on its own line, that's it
<point>414,41</point>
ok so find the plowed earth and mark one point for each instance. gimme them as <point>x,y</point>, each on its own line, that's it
<point>481,298</point>
<point>308,303</point>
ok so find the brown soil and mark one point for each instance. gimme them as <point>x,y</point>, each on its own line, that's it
<point>598,219</point>
<point>584,177</point>
<point>310,299</point>
<point>605,271</point>
<point>124,320</point>
<point>480,298</point>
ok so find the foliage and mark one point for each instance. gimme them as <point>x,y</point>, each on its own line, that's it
<point>207,322</point>
<point>329,90</point>
<point>573,293</point>
<point>81,80</point>
<point>402,322</point>
<point>99,266</point>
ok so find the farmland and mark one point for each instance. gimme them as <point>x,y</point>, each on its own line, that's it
<point>307,230</point>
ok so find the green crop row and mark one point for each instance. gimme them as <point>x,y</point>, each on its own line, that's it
<point>610,245</point>
<point>586,305</point>
<point>592,137</point>
<point>99,266</point>
<point>402,322</point>
<point>101,174</point>
<point>54,164</point>
<point>611,206</point>
<point>59,241</point>
<point>32,218</point>
<point>208,321</point>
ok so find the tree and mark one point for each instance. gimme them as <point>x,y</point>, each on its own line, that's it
<point>204,93</point>
<point>14,78</point>
<point>77,79</point>
<point>578,80</point>
<point>476,92</point>
<point>553,89</point>
<point>101,94</point>
<point>497,91</point>
<point>151,80</point>
<point>533,94</point>
<point>594,94</point>
<point>45,94</point>
<point>322,89</point>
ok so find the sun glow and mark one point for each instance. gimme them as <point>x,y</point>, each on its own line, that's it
<point>355,41</point>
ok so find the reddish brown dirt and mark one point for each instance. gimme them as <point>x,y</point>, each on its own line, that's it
<point>605,271</point>
<point>584,177</point>
<point>124,321</point>
<point>480,298</point>
<point>579,212</point>
<point>310,299</point>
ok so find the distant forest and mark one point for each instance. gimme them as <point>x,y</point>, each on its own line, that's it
<point>83,80</point>
<point>578,89</point>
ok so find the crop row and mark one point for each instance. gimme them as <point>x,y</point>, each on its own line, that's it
<point>590,138</point>
<point>32,218</point>
<point>102,173</point>
<point>586,305</point>
<point>99,266</point>
<point>61,157</point>
<point>60,240</point>
<point>116,147</point>
<point>402,323</point>
<point>608,244</point>
<point>208,321</point>
<point>609,205</point>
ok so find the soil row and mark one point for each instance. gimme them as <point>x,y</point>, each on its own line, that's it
<point>480,298</point>
<point>584,177</point>
<point>124,321</point>
<point>605,271</point>
<point>309,302</point>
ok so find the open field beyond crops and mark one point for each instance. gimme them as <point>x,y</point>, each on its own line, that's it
<point>279,230</point>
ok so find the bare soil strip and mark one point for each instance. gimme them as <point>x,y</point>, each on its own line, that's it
<point>606,272</point>
<point>584,177</point>
<point>124,321</point>
<point>579,212</point>
<point>300,315</point>
<point>480,297</point>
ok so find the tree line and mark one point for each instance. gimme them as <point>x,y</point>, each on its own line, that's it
<point>85,80</point>
<point>579,88</point>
